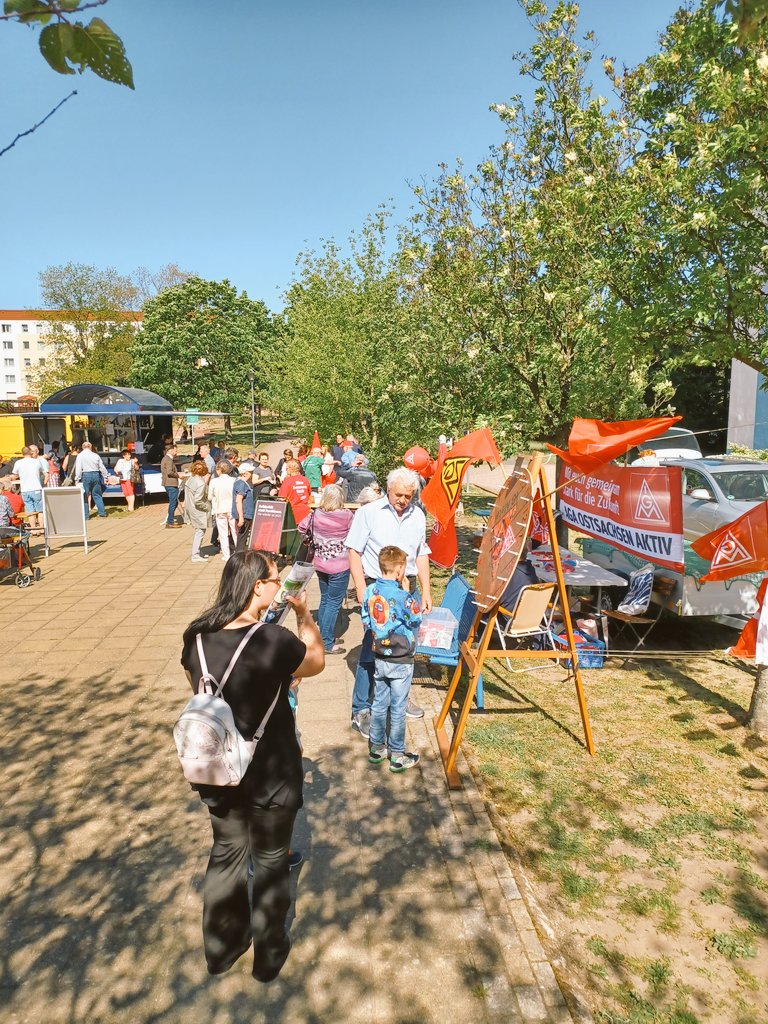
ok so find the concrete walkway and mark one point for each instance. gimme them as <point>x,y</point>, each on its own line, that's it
<point>406,909</point>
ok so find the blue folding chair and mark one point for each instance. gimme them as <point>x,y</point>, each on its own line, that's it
<point>459,600</point>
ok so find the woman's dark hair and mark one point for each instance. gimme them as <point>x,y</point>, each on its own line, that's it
<point>240,574</point>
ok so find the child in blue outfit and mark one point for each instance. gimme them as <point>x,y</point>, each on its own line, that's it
<point>393,616</point>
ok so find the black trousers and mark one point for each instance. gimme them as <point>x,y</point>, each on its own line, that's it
<point>243,834</point>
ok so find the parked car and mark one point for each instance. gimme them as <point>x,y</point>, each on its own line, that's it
<point>676,443</point>
<point>718,490</point>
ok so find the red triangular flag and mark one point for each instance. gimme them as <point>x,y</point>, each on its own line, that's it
<point>442,493</point>
<point>746,645</point>
<point>444,545</point>
<point>592,443</point>
<point>737,548</point>
<point>316,440</point>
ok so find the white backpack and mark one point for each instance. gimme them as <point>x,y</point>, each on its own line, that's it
<point>211,749</point>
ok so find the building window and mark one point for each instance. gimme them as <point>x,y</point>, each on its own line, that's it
<point>41,362</point>
<point>7,344</point>
<point>25,328</point>
<point>6,328</point>
<point>27,362</point>
<point>10,378</point>
<point>25,344</point>
<point>8,362</point>
<point>38,327</point>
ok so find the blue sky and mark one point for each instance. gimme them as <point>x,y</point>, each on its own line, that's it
<point>257,128</point>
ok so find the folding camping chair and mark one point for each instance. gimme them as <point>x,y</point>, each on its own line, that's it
<point>459,600</point>
<point>531,616</point>
<point>632,613</point>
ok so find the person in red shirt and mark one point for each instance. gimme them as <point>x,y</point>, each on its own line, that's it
<point>296,489</point>
<point>17,504</point>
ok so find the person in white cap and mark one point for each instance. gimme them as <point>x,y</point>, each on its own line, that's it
<point>243,503</point>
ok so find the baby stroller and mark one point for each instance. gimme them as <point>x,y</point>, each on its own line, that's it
<point>15,556</point>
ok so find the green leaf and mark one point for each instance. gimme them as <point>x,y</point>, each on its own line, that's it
<point>56,47</point>
<point>103,52</point>
<point>28,11</point>
<point>69,5</point>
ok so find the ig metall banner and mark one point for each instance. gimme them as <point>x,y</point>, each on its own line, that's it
<point>638,510</point>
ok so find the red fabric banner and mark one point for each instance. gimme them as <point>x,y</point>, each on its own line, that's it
<point>746,645</point>
<point>737,548</point>
<point>637,510</point>
<point>592,443</point>
<point>442,493</point>
<point>444,545</point>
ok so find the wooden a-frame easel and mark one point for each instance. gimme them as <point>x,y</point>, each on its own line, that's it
<point>474,651</point>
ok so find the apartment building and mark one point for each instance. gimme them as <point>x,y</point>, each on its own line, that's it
<point>23,347</point>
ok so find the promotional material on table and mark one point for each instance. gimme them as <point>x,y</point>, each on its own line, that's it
<point>637,510</point>
<point>295,583</point>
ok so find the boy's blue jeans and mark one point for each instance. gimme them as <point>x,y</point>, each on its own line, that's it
<point>392,684</point>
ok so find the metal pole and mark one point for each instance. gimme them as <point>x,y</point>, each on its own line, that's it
<point>253,413</point>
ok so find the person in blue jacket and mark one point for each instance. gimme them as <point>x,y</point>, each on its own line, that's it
<point>393,615</point>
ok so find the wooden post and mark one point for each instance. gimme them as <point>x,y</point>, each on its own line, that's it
<point>472,656</point>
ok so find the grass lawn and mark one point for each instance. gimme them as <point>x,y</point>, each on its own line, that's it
<point>649,859</point>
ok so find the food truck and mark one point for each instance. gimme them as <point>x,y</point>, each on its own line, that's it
<point>111,418</point>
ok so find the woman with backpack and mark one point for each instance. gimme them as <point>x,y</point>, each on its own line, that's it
<point>253,821</point>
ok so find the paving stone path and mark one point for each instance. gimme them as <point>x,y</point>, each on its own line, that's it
<point>406,909</point>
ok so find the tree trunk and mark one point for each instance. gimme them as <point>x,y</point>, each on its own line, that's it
<point>757,717</point>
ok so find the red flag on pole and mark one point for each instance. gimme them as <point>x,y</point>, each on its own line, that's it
<point>442,493</point>
<point>444,545</point>
<point>738,547</point>
<point>746,645</point>
<point>592,443</point>
<point>316,440</point>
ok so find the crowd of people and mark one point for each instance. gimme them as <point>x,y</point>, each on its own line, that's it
<point>378,546</point>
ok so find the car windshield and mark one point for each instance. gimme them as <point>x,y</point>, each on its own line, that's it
<point>744,486</point>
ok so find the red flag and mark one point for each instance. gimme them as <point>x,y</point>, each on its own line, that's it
<point>738,547</point>
<point>444,545</point>
<point>592,443</point>
<point>316,440</point>
<point>539,527</point>
<point>442,493</point>
<point>746,645</point>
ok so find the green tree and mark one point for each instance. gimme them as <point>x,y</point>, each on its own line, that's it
<point>518,258</point>
<point>357,355</point>
<point>701,104</point>
<point>198,342</point>
<point>91,323</point>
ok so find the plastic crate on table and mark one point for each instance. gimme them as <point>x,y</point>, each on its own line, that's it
<point>591,652</point>
<point>437,629</point>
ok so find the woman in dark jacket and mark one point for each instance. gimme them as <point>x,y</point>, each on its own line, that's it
<point>252,823</point>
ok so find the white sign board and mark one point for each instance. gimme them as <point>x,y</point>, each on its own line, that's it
<point>64,514</point>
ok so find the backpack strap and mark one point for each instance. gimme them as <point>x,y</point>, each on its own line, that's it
<point>263,724</point>
<point>206,679</point>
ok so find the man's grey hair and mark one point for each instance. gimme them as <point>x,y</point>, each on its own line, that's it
<point>87,444</point>
<point>368,494</point>
<point>404,477</point>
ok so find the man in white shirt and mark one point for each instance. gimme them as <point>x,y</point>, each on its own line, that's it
<point>92,473</point>
<point>390,520</point>
<point>28,470</point>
